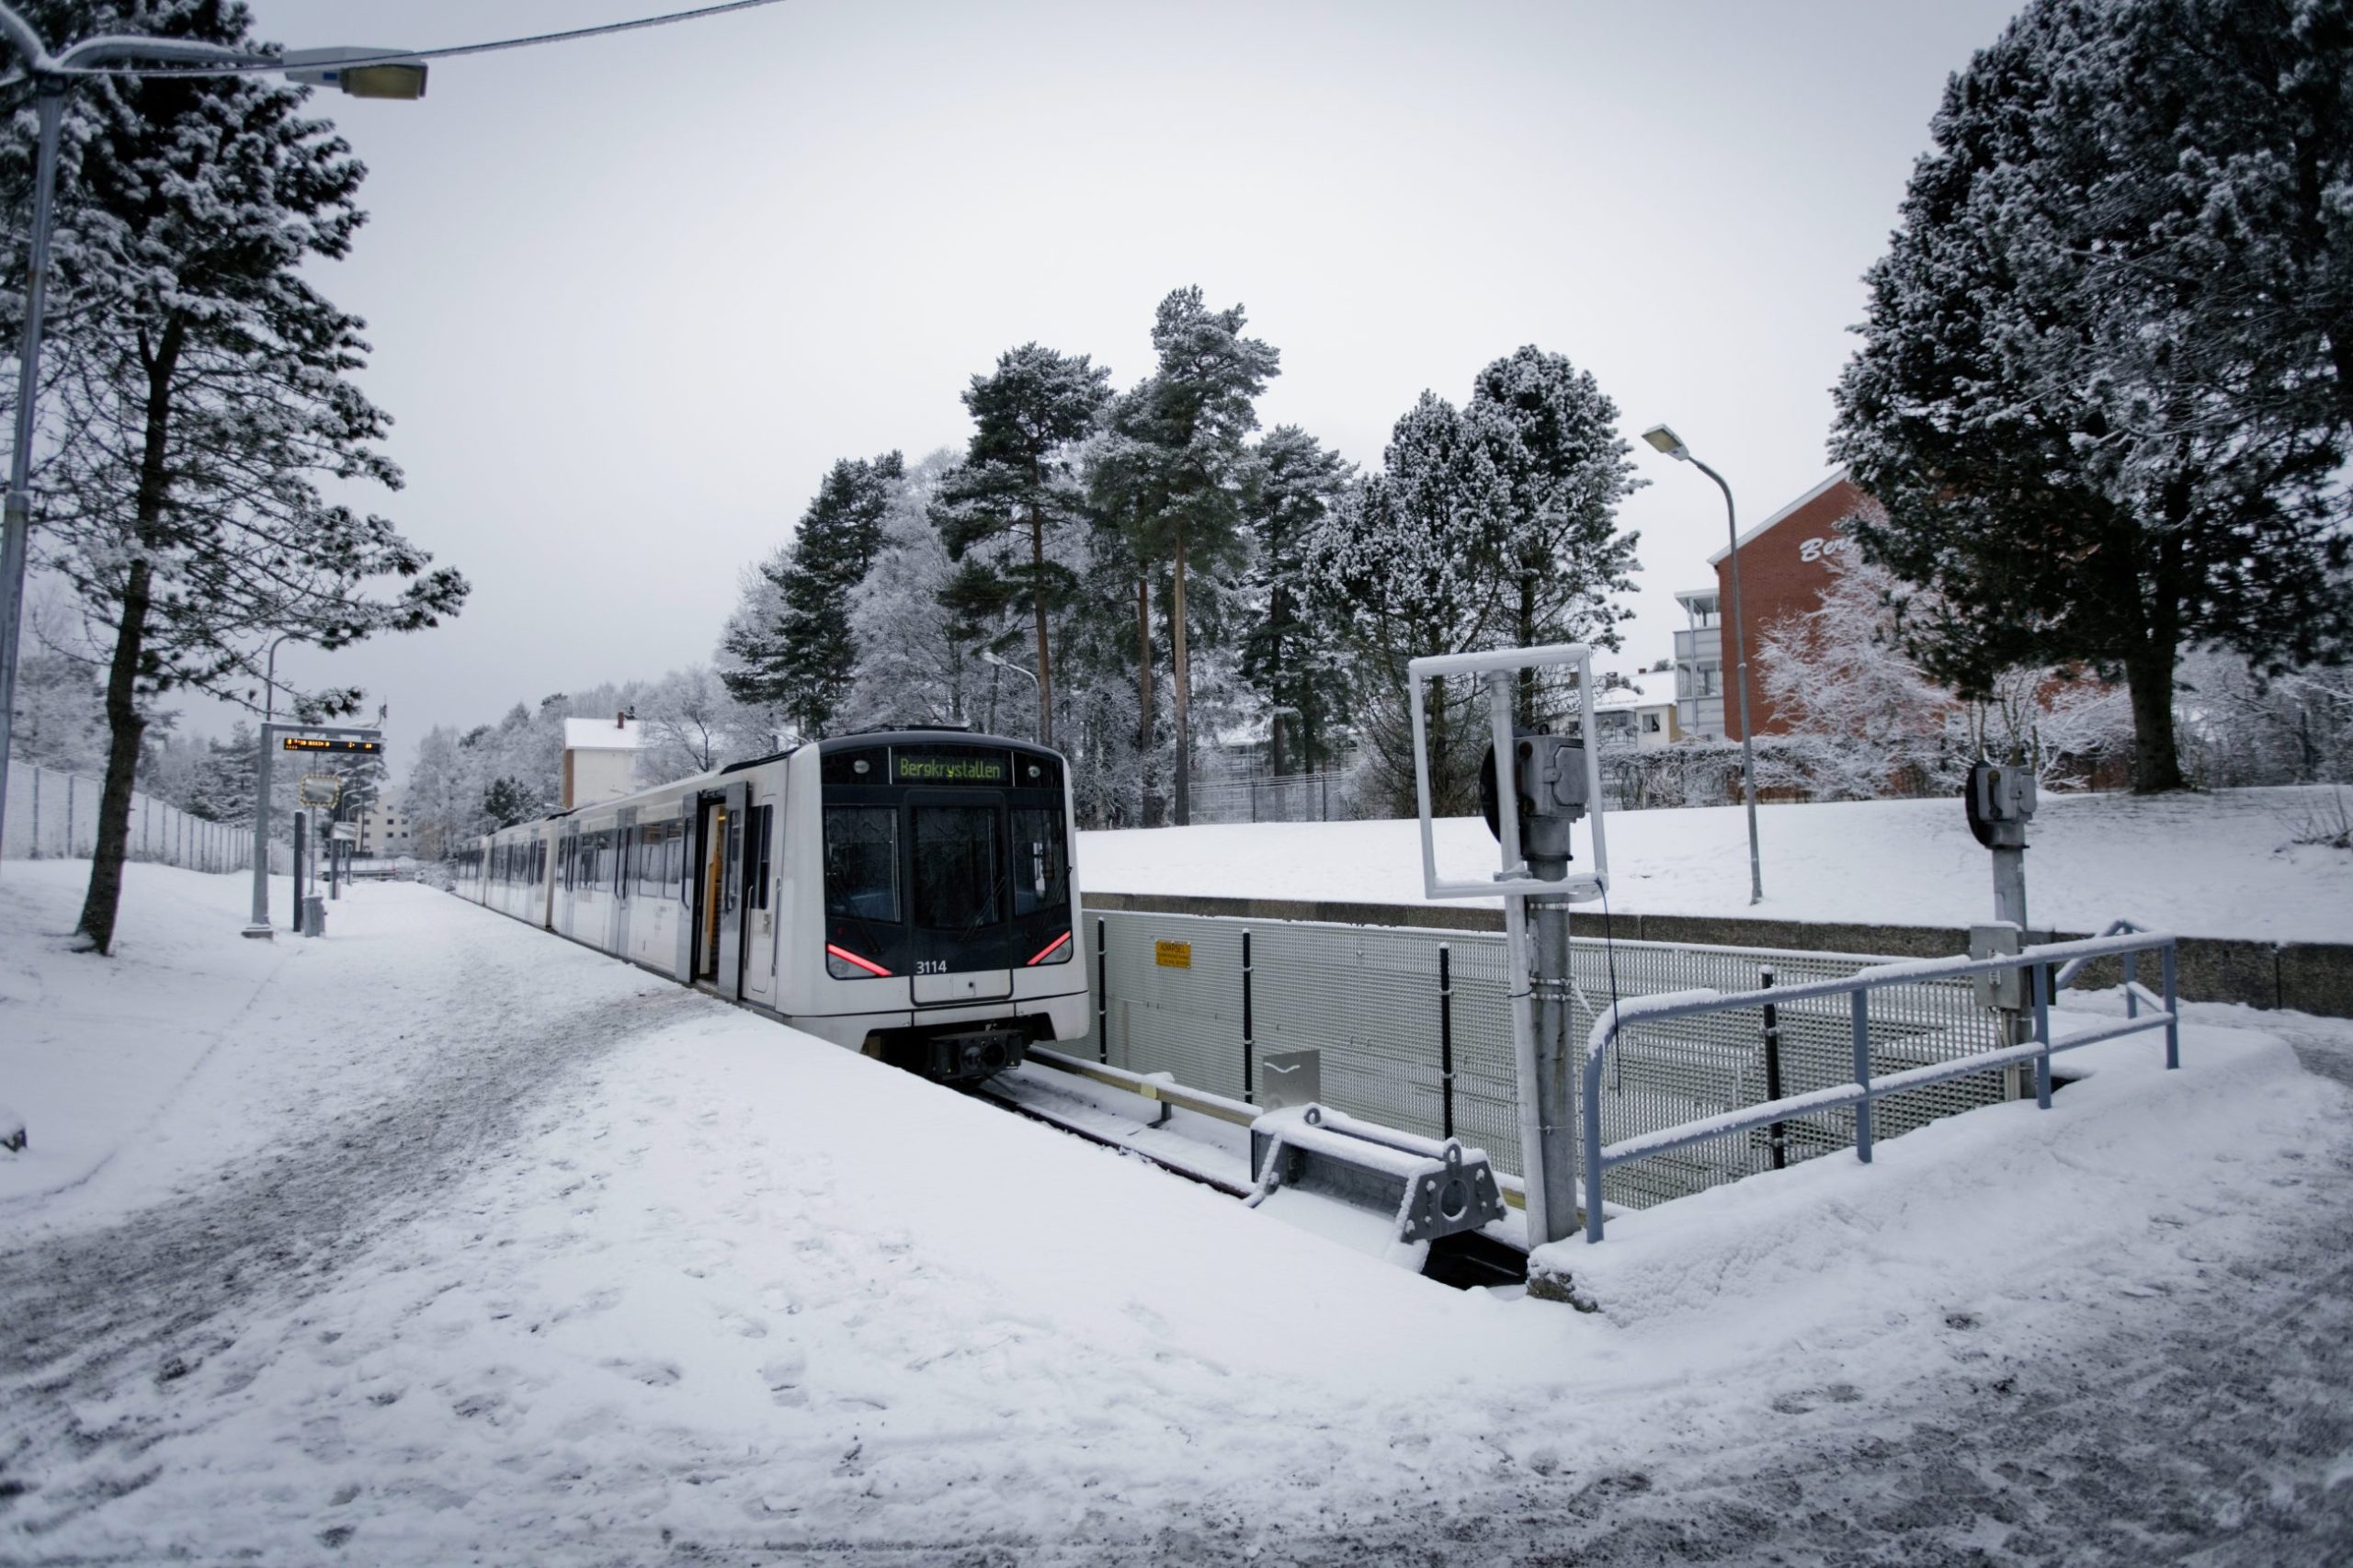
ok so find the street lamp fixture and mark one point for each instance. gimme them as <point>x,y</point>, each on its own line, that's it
<point>1039,728</point>
<point>1664,440</point>
<point>363,72</point>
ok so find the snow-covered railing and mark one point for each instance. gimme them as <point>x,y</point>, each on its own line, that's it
<point>2123,941</point>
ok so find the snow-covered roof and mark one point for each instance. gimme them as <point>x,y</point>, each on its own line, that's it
<point>1632,696</point>
<point>1816,494</point>
<point>601,735</point>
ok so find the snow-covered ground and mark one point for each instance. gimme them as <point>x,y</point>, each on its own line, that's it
<point>2220,865</point>
<point>443,1241</point>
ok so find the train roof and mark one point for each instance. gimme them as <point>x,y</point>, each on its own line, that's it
<point>903,734</point>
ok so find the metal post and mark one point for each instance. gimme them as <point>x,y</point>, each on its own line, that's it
<point>1445,1042</point>
<point>2173,1008</point>
<point>1740,652</point>
<point>1778,1132</point>
<point>1248,1093</point>
<point>2009,888</point>
<point>2039,976</point>
<point>301,821</point>
<point>36,838</point>
<point>1102,1000</point>
<point>2132,974</point>
<point>1863,1074</point>
<point>258,926</point>
<point>16,510</point>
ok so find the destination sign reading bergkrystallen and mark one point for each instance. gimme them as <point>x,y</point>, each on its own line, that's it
<point>948,767</point>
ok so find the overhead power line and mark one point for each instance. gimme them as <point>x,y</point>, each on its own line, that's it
<point>447,52</point>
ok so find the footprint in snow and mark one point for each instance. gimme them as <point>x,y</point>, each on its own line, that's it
<point>652,1374</point>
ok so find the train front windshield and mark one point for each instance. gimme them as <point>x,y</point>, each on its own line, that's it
<point>943,858</point>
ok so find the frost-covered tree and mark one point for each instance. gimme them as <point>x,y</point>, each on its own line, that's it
<point>1838,673</point>
<point>204,385</point>
<point>689,723</point>
<point>913,658</point>
<point>2106,384</point>
<point>1553,436</point>
<point>1293,660</point>
<point>2242,724</point>
<point>1016,478</point>
<point>60,715</point>
<point>787,647</point>
<point>1409,565</point>
<point>224,786</point>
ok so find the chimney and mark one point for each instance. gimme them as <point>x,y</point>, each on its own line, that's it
<point>620,720</point>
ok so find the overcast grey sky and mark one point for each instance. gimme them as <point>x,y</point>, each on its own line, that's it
<point>631,297</point>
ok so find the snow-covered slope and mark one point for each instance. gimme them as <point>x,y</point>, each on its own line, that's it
<point>2219,865</point>
<point>460,1242</point>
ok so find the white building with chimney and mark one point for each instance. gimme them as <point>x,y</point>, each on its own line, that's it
<point>599,760</point>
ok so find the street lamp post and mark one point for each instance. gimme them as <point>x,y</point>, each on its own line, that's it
<point>1038,729</point>
<point>260,926</point>
<point>1665,440</point>
<point>372,74</point>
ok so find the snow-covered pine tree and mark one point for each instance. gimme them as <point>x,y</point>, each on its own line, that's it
<point>205,383</point>
<point>913,658</point>
<point>1292,659</point>
<point>224,785</point>
<point>2105,386</point>
<point>787,647</point>
<point>1553,437</point>
<point>1185,432</point>
<point>1016,478</point>
<point>1410,562</point>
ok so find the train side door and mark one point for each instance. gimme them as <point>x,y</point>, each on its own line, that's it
<point>718,913</point>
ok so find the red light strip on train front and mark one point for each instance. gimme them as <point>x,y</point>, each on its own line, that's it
<point>869,965</point>
<point>1049,950</point>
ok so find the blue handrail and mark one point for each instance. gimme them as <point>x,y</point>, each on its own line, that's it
<point>2122,940</point>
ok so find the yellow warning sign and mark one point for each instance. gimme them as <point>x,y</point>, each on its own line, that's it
<point>1173,955</point>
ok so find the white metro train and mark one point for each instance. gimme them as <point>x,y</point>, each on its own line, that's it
<point>907,894</point>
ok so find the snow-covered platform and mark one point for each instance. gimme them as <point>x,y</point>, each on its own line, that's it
<point>441,1239</point>
<point>2225,864</point>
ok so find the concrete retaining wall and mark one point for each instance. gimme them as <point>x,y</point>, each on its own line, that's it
<point>2310,977</point>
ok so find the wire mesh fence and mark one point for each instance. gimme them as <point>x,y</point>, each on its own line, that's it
<point>1292,797</point>
<point>1413,1031</point>
<point>55,815</point>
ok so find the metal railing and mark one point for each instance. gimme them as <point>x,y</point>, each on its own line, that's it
<point>2121,941</point>
<point>1414,1030</point>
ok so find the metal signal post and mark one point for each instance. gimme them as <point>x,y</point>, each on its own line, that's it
<point>1541,785</point>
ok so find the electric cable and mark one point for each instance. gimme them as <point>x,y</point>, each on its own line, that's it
<point>403,56</point>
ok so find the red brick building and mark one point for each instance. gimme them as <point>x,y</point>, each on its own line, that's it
<point>1784,566</point>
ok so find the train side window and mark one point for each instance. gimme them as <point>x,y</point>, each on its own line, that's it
<point>653,858</point>
<point>763,826</point>
<point>1040,872</point>
<point>862,862</point>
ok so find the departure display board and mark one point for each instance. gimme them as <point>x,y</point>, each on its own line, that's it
<point>319,743</point>
<point>909,765</point>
